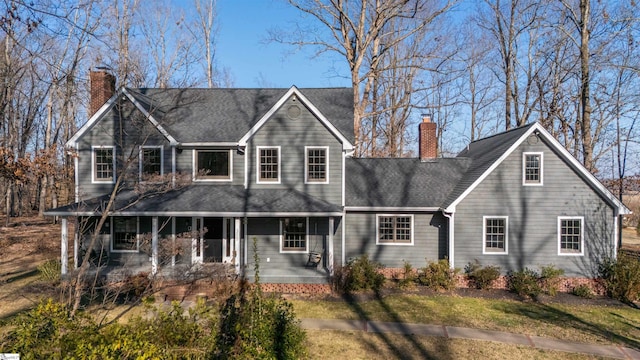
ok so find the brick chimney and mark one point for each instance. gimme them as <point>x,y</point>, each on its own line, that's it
<point>428,139</point>
<point>103,86</point>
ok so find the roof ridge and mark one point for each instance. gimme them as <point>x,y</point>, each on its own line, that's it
<point>504,132</point>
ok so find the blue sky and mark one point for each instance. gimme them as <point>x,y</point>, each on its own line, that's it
<point>253,63</point>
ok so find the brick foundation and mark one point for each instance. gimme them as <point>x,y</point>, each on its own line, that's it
<point>311,289</point>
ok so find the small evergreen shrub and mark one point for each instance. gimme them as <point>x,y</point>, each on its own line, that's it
<point>408,275</point>
<point>359,274</point>
<point>437,275</point>
<point>524,283</point>
<point>550,278</point>
<point>481,277</point>
<point>621,277</point>
<point>582,291</point>
<point>50,270</point>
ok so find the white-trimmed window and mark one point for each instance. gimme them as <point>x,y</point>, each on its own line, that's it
<point>495,234</point>
<point>293,235</point>
<point>103,164</point>
<point>212,165</point>
<point>268,164</point>
<point>532,166</point>
<point>151,162</point>
<point>570,235</point>
<point>394,229</point>
<point>124,236</point>
<point>316,164</point>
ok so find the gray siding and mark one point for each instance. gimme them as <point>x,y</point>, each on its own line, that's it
<point>533,216</point>
<point>292,135</point>
<point>429,240</point>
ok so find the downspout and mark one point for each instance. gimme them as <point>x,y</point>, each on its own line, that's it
<point>451,232</point>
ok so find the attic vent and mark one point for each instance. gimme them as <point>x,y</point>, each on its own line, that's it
<point>533,139</point>
<point>294,111</point>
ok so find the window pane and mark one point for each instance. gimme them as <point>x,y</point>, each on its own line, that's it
<point>394,229</point>
<point>151,161</point>
<point>213,164</point>
<point>316,164</point>
<point>295,234</point>
<point>495,234</point>
<point>269,164</point>
<point>570,235</point>
<point>532,168</point>
<point>124,233</point>
<point>103,164</point>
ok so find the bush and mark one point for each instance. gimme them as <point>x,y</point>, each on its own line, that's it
<point>359,274</point>
<point>50,270</point>
<point>621,277</point>
<point>524,283</point>
<point>582,291</point>
<point>550,278</point>
<point>438,275</point>
<point>408,275</point>
<point>482,277</point>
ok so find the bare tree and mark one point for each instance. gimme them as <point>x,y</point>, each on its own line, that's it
<point>205,31</point>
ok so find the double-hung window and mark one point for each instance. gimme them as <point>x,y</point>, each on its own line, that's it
<point>104,164</point>
<point>495,235</point>
<point>532,168</point>
<point>394,230</point>
<point>268,164</point>
<point>150,162</point>
<point>212,165</point>
<point>125,234</point>
<point>316,165</point>
<point>570,235</point>
<point>293,234</point>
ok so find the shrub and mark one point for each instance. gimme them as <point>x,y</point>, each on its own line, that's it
<point>482,277</point>
<point>582,291</point>
<point>438,275</point>
<point>550,278</point>
<point>408,275</point>
<point>50,270</point>
<point>524,283</point>
<point>621,277</point>
<point>359,274</point>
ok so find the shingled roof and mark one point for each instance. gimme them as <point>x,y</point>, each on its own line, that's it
<point>226,115</point>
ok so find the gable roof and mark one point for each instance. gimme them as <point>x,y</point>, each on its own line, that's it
<point>195,116</point>
<point>401,184</point>
<point>488,153</point>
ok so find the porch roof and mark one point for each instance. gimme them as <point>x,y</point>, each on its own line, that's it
<point>203,200</point>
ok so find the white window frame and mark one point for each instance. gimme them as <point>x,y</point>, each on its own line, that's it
<point>211,179</point>
<point>562,252</point>
<point>112,240</point>
<point>282,250</point>
<point>141,159</point>
<point>412,224</point>
<point>484,235</point>
<point>93,164</point>
<point>524,169</point>
<point>306,165</point>
<point>277,181</point>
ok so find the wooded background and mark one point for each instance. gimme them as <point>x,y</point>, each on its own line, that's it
<point>475,67</point>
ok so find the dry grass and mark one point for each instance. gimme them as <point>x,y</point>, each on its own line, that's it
<point>360,345</point>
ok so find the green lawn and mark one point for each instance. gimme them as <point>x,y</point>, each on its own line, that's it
<point>578,323</point>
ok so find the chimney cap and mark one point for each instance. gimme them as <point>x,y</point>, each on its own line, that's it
<point>426,118</point>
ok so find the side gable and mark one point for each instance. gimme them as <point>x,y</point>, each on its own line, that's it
<point>108,106</point>
<point>506,144</point>
<point>294,91</point>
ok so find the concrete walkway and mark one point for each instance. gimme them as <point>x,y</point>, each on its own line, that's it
<point>452,332</point>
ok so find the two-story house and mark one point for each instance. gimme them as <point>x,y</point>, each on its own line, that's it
<point>203,174</point>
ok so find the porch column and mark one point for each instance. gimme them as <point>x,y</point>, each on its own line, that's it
<point>64,240</point>
<point>237,230</point>
<point>76,243</point>
<point>330,247</point>
<point>154,245</point>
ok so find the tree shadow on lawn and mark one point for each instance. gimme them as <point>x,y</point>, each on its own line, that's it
<point>551,315</point>
<point>442,352</point>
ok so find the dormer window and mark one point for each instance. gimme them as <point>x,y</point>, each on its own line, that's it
<point>212,165</point>
<point>104,164</point>
<point>532,168</point>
